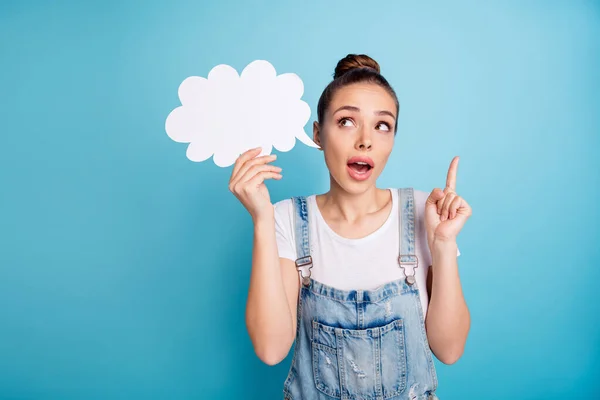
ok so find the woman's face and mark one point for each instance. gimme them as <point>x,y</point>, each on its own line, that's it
<point>357,135</point>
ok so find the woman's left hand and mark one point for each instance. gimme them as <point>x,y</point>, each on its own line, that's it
<point>445,211</point>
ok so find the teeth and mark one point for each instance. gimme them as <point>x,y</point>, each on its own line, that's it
<point>361,163</point>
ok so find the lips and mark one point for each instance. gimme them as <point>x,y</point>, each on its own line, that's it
<point>360,167</point>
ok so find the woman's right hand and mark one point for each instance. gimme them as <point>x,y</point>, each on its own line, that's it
<point>247,182</point>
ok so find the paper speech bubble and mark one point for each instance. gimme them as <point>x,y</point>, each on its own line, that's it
<point>226,114</point>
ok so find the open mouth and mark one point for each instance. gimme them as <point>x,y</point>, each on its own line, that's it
<point>360,168</point>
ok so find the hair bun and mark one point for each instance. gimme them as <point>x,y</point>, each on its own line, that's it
<point>354,61</point>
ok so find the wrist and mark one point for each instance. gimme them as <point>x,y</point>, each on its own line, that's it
<point>434,240</point>
<point>443,241</point>
<point>443,248</point>
<point>265,218</point>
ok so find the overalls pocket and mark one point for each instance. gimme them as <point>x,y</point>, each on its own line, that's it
<point>359,363</point>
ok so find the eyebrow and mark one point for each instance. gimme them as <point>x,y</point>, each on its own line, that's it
<point>356,109</point>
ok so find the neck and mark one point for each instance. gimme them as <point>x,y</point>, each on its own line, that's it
<point>338,203</point>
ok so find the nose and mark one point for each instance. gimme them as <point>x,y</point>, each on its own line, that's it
<point>364,140</point>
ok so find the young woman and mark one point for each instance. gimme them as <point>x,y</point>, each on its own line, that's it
<point>364,281</point>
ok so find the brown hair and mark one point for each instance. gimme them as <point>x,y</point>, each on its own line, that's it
<point>354,68</point>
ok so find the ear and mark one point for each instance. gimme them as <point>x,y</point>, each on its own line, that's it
<point>317,135</point>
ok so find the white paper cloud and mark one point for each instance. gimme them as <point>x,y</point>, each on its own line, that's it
<point>226,114</point>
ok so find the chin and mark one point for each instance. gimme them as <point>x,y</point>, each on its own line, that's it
<point>352,186</point>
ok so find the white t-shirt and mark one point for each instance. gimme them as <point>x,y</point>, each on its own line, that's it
<point>356,264</point>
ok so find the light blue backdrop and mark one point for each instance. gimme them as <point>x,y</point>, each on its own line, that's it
<point>124,266</point>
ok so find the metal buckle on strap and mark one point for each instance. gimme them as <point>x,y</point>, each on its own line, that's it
<point>303,262</point>
<point>409,260</point>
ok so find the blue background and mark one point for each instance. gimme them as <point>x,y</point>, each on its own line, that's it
<point>124,266</point>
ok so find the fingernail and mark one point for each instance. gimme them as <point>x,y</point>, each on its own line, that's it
<point>443,218</point>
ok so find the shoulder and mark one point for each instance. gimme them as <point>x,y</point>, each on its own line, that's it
<point>283,204</point>
<point>284,209</point>
<point>420,197</point>
<point>286,206</point>
<point>419,201</point>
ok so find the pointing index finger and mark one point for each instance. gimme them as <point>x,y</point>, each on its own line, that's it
<point>451,179</point>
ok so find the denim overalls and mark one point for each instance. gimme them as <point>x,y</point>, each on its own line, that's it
<point>361,344</point>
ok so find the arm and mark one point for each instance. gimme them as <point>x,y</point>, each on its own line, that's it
<point>272,297</point>
<point>274,283</point>
<point>448,320</point>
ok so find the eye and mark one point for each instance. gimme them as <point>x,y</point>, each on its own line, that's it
<point>344,121</point>
<point>385,125</point>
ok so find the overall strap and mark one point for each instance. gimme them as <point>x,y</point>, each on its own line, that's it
<point>301,234</point>
<point>406,211</point>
